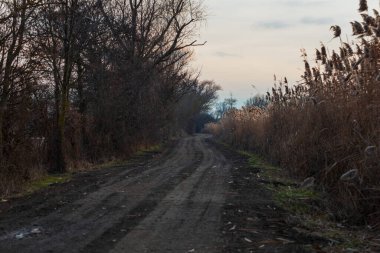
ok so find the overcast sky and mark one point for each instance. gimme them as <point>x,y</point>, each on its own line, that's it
<point>248,41</point>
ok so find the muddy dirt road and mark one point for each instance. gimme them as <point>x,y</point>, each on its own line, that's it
<point>168,203</point>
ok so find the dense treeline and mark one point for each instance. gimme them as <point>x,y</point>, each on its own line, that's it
<point>84,80</point>
<point>326,127</point>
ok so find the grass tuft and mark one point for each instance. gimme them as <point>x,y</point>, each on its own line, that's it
<point>47,181</point>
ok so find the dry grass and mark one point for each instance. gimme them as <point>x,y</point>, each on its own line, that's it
<point>328,126</point>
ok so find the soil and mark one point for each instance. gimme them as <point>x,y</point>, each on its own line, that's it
<point>252,222</point>
<point>195,196</point>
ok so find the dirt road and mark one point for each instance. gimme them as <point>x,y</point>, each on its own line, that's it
<point>168,203</point>
<point>195,196</point>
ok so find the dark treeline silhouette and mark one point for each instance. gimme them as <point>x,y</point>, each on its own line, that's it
<point>85,80</point>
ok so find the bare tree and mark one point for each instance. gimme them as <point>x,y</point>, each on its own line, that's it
<point>154,31</point>
<point>198,100</point>
<point>58,26</point>
<point>96,78</point>
<point>14,17</point>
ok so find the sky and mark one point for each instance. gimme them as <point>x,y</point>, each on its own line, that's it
<point>250,41</point>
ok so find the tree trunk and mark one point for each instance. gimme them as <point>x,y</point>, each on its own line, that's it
<point>62,91</point>
<point>61,164</point>
<point>82,109</point>
<point>2,111</point>
<point>58,158</point>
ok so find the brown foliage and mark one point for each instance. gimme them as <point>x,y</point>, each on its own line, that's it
<point>85,81</point>
<point>327,127</point>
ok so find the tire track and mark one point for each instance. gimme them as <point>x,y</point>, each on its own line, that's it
<point>138,213</point>
<point>189,217</point>
<point>173,201</point>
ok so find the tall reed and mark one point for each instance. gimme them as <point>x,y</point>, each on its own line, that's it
<point>327,126</point>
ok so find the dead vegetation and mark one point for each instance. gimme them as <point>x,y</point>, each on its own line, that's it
<point>326,127</point>
<point>84,82</point>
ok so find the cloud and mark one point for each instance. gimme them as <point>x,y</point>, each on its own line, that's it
<point>316,21</point>
<point>303,3</point>
<point>224,55</point>
<point>279,25</point>
<point>272,25</point>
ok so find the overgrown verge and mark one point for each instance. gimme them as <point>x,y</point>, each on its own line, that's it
<point>44,180</point>
<point>326,127</point>
<point>262,196</point>
<point>310,211</point>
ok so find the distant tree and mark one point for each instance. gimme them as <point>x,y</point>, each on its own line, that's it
<point>199,100</point>
<point>202,119</point>
<point>257,101</point>
<point>223,107</point>
<point>230,102</point>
